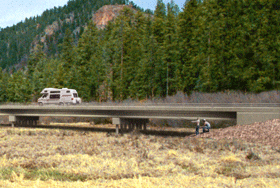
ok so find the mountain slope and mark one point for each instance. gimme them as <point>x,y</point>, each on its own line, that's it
<point>18,41</point>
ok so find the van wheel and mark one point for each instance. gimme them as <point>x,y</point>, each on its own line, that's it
<point>61,104</point>
<point>40,104</point>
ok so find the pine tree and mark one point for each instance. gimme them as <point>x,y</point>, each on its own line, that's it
<point>139,52</point>
<point>171,48</point>
<point>158,29</point>
<point>87,51</point>
<point>159,22</point>
<point>36,56</point>
<point>34,68</point>
<point>18,88</point>
<point>264,18</point>
<point>67,50</point>
<point>4,77</point>
<point>215,47</point>
<point>189,47</point>
<point>120,62</point>
<point>107,88</point>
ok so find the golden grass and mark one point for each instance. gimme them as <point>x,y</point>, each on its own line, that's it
<point>60,158</point>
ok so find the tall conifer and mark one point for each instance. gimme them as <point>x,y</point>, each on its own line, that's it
<point>189,48</point>
<point>158,26</point>
<point>171,48</point>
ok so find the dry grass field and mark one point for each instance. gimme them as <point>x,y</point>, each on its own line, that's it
<point>64,158</point>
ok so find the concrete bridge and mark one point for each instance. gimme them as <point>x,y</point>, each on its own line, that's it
<point>137,116</point>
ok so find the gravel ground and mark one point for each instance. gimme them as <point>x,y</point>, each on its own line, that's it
<point>267,133</point>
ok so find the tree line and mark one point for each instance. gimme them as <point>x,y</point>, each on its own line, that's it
<point>208,46</point>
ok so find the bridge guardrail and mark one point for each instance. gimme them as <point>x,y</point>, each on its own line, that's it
<point>162,104</point>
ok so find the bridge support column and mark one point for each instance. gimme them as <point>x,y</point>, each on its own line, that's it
<point>129,124</point>
<point>24,120</point>
<point>245,118</point>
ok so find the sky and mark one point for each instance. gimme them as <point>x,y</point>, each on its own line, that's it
<point>14,11</point>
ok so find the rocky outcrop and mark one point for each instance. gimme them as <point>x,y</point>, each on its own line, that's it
<point>108,13</point>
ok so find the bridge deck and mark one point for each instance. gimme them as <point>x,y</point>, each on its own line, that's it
<point>243,113</point>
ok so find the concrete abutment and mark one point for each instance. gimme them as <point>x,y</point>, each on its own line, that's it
<point>245,118</point>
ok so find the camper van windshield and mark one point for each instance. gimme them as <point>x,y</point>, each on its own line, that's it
<point>75,95</point>
<point>44,95</point>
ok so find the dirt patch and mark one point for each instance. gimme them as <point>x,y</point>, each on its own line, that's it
<point>267,133</point>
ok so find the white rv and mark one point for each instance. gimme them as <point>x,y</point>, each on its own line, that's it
<point>59,96</point>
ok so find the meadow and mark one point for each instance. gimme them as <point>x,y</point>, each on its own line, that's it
<point>65,158</point>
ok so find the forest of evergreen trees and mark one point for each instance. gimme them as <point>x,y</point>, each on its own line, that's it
<point>208,46</point>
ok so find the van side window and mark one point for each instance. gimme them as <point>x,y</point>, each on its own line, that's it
<point>55,96</point>
<point>75,95</point>
<point>67,91</point>
<point>55,92</point>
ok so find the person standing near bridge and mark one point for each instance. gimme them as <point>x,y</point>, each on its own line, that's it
<point>197,126</point>
<point>207,126</point>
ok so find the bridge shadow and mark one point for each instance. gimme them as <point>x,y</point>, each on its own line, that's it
<point>166,133</point>
<point>75,128</point>
<point>107,130</point>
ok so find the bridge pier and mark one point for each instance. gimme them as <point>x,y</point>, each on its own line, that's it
<point>24,120</point>
<point>129,124</point>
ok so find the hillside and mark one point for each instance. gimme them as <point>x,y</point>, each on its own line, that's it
<point>48,29</point>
